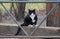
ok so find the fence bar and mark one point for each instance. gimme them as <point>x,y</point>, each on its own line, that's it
<point>53,8</point>
<point>29,37</point>
<point>14,19</point>
<point>30,1</point>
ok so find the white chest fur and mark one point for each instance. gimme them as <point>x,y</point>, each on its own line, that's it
<point>32,17</point>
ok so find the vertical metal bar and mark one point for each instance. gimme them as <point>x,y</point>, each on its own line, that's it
<point>14,19</point>
<point>53,8</point>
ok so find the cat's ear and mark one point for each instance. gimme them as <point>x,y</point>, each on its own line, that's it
<point>33,9</point>
<point>29,9</point>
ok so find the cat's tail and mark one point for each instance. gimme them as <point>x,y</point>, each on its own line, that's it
<point>19,29</point>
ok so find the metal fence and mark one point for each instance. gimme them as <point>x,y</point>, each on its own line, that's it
<point>52,9</point>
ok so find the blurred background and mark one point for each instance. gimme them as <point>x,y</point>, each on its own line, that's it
<point>19,11</point>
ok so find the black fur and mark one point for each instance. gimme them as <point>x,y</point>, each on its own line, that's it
<point>28,20</point>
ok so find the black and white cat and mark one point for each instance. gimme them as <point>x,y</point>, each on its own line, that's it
<point>30,19</point>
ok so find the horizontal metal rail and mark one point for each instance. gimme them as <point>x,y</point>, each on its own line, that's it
<point>25,1</point>
<point>29,36</point>
<point>45,1</point>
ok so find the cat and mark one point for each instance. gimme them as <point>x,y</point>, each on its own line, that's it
<point>30,19</point>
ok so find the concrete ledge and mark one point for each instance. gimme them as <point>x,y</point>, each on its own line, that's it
<point>15,25</point>
<point>11,29</point>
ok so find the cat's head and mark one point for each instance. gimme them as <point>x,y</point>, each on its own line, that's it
<point>32,11</point>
